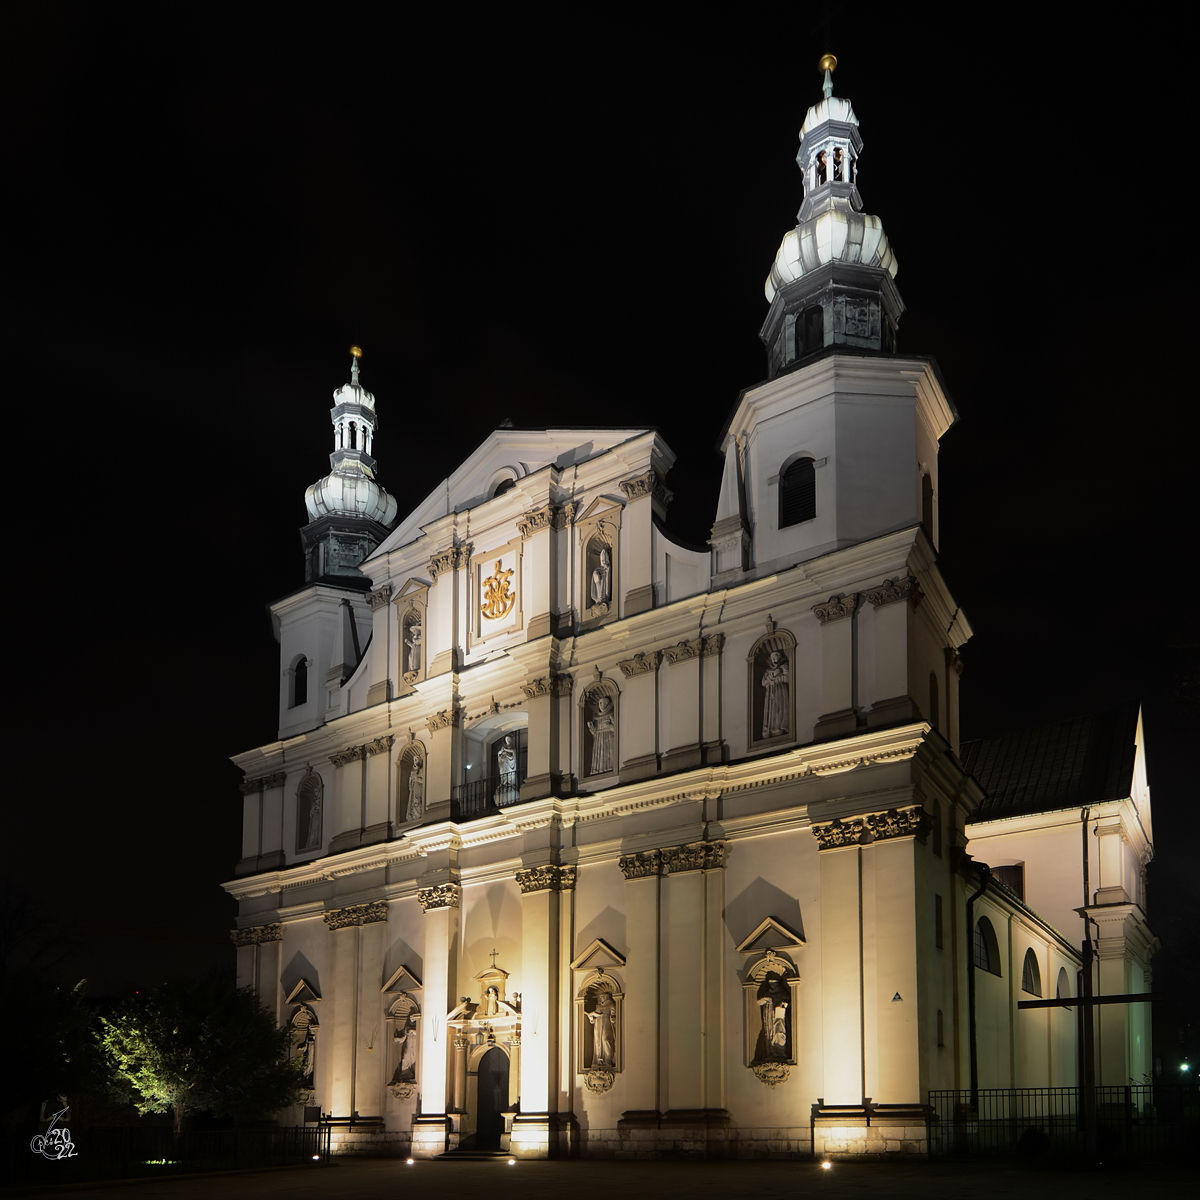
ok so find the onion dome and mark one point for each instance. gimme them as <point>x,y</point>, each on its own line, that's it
<point>831,282</point>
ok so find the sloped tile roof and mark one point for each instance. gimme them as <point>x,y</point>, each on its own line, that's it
<point>1071,763</point>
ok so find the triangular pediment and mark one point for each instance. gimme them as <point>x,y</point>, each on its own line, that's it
<point>598,954</point>
<point>402,980</point>
<point>303,993</point>
<point>413,587</point>
<point>772,934</point>
<point>598,507</point>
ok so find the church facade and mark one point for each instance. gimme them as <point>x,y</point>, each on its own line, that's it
<point>579,841</point>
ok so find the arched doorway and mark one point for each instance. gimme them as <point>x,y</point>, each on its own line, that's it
<point>492,1082</point>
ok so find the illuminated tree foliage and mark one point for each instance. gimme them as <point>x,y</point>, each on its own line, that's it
<point>202,1046</point>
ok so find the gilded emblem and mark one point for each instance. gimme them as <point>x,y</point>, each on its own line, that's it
<point>498,596</point>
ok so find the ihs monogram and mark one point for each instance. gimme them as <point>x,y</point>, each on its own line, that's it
<point>498,597</point>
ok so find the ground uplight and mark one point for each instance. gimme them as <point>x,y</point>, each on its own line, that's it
<point>826,1165</point>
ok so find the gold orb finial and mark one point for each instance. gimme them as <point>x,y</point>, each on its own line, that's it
<point>356,351</point>
<point>828,63</point>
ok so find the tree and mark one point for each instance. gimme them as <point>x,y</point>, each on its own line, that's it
<point>202,1045</point>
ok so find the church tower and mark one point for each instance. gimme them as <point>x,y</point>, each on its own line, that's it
<point>349,513</point>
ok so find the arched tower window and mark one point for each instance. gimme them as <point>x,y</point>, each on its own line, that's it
<point>987,949</point>
<point>299,682</point>
<point>797,493</point>
<point>810,331</point>
<point>1031,974</point>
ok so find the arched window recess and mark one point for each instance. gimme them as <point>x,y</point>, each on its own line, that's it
<point>797,492</point>
<point>987,948</point>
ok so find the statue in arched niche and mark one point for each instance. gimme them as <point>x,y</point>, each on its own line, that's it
<point>601,581</point>
<point>509,790</point>
<point>603,728</point>
<point>415,808</point>
<point>603,1019</point>
<point>413,634</point>
<point>776,704</point>
<point>774,1000</point>
<point>309,797</point>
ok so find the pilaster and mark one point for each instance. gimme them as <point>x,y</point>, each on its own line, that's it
<point>440,904</point>
<point>838,717</point>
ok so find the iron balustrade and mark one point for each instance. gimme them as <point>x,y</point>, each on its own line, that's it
<point>1134,1121</point>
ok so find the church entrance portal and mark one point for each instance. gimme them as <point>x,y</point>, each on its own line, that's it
<point>493,1099</point>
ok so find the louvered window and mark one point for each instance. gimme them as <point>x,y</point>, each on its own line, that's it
<point>797,493</point>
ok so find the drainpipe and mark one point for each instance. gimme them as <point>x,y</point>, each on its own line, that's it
<point>972,1041</point>
<point>1087,1072</point>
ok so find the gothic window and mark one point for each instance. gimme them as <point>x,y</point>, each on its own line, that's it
<point>598,740</point>
<point>987,949</point>
<point>810,331</point>
<point>1031,974</point>
<point>309,800</point>
<point>772,664</point>
<point>797,493</point>
<point>299,682</point>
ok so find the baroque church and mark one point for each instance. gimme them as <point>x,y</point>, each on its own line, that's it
<point>579,841</point>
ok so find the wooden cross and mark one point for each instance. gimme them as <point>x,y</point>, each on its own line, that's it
<point>494,953</point>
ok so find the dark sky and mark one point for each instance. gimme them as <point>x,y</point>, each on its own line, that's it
<point>562,222</point>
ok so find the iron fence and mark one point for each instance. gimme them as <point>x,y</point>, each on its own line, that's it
<point>1137,1121</point>
<point>133,1151</point>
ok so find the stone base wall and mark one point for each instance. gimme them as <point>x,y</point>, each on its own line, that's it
<point>372,1143</point>
<point>874,1141</point>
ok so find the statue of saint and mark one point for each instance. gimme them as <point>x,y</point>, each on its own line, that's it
<point>416,789</point>
<point>603,1020</point>
<point>601,588</point>
<point>603,728</point>
<point>775,706</point>
<point>773,1009</point>
<point>310,791</point>
<point>506,763</point>
<point>406,1038</point>
<point>412,644</point>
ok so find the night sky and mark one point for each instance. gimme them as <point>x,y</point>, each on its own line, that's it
<point>562,222</point>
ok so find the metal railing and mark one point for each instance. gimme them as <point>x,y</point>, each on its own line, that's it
<point>1135,1121</point>
<point>478,797</point>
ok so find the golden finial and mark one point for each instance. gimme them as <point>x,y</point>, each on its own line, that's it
<point>828,63</point>
<point>356,351</point>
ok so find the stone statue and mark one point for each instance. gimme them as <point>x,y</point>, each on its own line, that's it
<point>311,789</point>
<point>416,789</point>
<point>776,708</point>
<point>601,588</point>
<point>412,642</point>
<point>506,763</point>
<point>489,1006</point>
<point>406,1038</point>
<point>603,728</point>
<point>603,1020</point>
<point>773,1010</point>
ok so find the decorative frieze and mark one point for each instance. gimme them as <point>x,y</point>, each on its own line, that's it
<point>838,833</point>
<point>695,856</point>
<point>902,822</point>
<point>546,879</point>
<point>451,559</point>
<point>647,484</point>
<point>255,935</point>
<point>538,519</point>
<point>639,866</point>
<point>640,664</point>
<point>353,754</point>
<point>684,651</point>
<point>713,644</point>
<point>249,786</point>
<point>894,590</point>
<point>379,597</point>
<point>381,745</point>
<point>357,914</point>
<point>441,895</point>
<point>837,608</point>
<point>444,718</point>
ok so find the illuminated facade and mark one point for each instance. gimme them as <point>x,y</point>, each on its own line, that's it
<point>576,840</point>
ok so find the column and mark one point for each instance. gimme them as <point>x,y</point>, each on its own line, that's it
<point>637,737</point>
<point>838,718</point>
<point>841,961</point>
<point>430,1126</point>
<point>890,613</point>
<point>540,1131</point>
